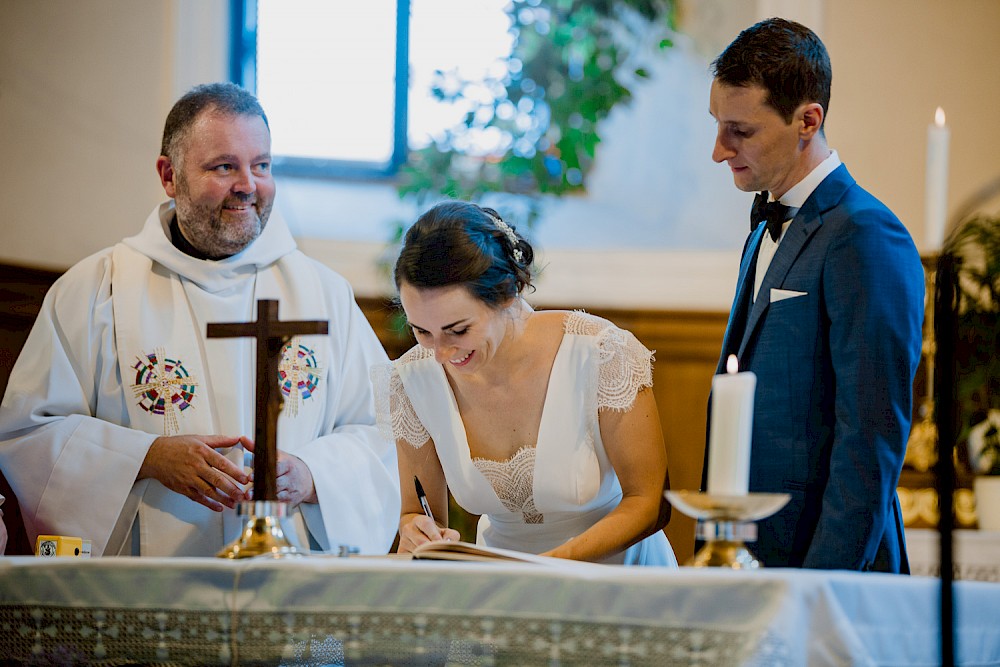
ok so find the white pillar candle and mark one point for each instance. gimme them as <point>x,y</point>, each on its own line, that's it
<point>732,426</point>
<point>936,187</point>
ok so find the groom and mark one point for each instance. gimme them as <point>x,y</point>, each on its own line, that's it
<point>828,312</point>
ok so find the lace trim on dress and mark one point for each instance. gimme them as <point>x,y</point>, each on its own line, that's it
<point>513,481</point>
<point>626,365</point>
<point>394,414</point>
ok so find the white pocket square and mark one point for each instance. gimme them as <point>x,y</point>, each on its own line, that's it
<point>782,294</point>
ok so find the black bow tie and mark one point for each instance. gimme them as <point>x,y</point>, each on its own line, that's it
<point>775,213</point>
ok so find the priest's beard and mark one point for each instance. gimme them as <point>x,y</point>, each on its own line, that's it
<point>205,228</point>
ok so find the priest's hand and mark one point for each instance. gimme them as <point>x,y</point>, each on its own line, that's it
<point>191,466</point>
<point>295,483</point>
<point>295,480</point>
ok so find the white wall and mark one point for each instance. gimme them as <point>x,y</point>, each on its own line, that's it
<point>894,63</point>
<point>81,85</point>
<point>84,89</point>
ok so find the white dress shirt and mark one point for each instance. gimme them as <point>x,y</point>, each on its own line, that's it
<point>794,198</point>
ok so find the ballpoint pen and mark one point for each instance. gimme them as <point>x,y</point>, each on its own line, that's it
<point>423,498</point>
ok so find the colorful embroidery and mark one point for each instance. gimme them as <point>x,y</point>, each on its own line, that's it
<point>299,374</point>
<point>163,387</point>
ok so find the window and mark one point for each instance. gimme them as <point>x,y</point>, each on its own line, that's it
<point>332,78</point>
<point>347,86</point>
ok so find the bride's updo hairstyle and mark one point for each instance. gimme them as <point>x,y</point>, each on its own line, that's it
<point>457,243</point>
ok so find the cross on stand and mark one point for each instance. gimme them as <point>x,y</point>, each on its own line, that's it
<point>271,335</point>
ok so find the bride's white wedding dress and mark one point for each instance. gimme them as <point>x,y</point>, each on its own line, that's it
<point>555,490</point>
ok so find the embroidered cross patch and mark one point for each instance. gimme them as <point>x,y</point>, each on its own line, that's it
<point>299,374</point>
<point>164,387</point>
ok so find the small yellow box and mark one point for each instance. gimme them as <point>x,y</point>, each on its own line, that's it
<point>61,545</point>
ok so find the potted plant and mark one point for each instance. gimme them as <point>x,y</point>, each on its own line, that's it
<point>977,245</point>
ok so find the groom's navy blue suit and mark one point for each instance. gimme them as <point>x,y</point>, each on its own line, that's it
<point>835,364</point>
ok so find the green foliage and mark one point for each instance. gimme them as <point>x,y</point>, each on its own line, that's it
<point>977,244</point>
<point>568,69</point>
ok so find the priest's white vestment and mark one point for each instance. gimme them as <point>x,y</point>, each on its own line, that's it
<point>119,356</point>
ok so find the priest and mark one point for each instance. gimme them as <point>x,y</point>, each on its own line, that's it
<point>124,424</point>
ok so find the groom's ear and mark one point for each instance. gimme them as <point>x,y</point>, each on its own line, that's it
<point>810,115</point>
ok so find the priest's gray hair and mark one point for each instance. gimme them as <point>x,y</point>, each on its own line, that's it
<point>224,98</point>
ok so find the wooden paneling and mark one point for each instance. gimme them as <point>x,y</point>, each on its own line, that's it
<point>21,293</point>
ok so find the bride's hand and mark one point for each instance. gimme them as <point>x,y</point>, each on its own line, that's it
<point>417,529</point>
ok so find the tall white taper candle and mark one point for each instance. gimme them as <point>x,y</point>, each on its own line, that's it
<point>732,426</point>
<point>936,187</point>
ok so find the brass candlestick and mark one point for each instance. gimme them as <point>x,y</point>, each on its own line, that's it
<point>726,523</point>
<point>262,532</point>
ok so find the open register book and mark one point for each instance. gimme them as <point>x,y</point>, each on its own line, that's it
<point>449,550</point>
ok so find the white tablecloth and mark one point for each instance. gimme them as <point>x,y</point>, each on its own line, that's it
<point>370,611</point>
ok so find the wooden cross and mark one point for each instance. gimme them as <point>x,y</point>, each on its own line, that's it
<point>271,336</point>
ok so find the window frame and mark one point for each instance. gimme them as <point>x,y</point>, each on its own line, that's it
<point>243,71</point>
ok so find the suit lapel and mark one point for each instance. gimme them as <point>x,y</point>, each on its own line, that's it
<point>795,239</point>
<point>744,284</point>
<point>804,225</point>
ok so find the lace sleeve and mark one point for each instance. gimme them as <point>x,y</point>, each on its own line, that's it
<point>394,414</point>
<point>626,364</point>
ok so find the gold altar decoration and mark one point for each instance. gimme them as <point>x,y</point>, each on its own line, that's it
<point>918,496</point>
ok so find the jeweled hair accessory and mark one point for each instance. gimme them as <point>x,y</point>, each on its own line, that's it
<point>511,236</point>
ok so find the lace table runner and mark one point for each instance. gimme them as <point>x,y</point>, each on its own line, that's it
<point>60,635</point>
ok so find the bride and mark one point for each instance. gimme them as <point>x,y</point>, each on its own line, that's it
<point>542,422</point>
